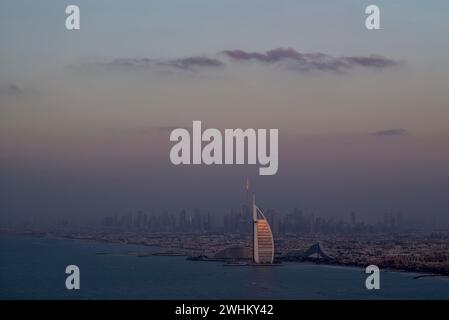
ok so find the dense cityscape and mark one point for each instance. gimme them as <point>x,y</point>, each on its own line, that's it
<point>392,243</point>
<point>238,221</point>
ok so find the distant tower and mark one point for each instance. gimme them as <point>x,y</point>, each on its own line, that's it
<point>353,218</point>
<point>245,226</point>
<point>248,195</point>
<point>263,243</point>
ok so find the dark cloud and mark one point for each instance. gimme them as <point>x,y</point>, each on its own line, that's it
<point>274,55</point>
<point>287,57</point>
<point>311,61</point>
<point>188,63</point>
<point>129,62</point>
<point>373,61</point>
<point>389,133</point>
<point>10,90</point>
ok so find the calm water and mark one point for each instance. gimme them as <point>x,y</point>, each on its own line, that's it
<point>33,267</point>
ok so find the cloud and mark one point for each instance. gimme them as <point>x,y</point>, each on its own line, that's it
<point>389,133</point>
<point>288,58</point>
<point>189,63</point>
<point>311,61</point>
<point>274,55</point>
<point>10,90</point>
<point>129,62</point>
<point>373,61</point>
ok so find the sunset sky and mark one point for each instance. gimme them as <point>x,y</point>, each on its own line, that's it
<point>85,116</point>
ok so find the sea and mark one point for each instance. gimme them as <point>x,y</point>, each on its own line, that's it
<point>34,268</point>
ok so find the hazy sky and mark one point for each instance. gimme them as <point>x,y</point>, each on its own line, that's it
<point>85,116</point>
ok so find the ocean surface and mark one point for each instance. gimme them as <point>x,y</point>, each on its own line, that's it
<point>34,268</point>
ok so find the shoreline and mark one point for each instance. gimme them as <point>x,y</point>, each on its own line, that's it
<point>174,251</point>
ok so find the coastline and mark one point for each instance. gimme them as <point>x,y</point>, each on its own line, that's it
<point>175,251</point>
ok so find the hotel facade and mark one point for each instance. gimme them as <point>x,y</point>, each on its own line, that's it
<point>263,243</point>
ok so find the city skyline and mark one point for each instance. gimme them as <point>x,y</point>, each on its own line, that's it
<point>218,157</point>
<point>233,221</point>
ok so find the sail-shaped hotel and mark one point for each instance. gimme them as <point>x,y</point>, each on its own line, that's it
<point>263,244</point>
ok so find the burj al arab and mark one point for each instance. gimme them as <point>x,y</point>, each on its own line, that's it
<point>263,244</point>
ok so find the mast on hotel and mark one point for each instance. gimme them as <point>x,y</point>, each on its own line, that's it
<point>263,244</point>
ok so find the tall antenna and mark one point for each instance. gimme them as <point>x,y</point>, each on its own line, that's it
<point>254,208</point>
<point>254,228</point>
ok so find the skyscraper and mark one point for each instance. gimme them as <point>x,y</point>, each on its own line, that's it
<point>353,218</point>
<point>263,244</point>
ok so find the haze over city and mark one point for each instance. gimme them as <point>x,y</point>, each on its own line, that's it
<point>86,116</point>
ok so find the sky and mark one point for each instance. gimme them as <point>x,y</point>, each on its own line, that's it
<point>85,116</point>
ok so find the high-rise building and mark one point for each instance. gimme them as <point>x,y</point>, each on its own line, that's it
<point>353,218</point>
<point>263,244</point>
<point>182,226</point>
